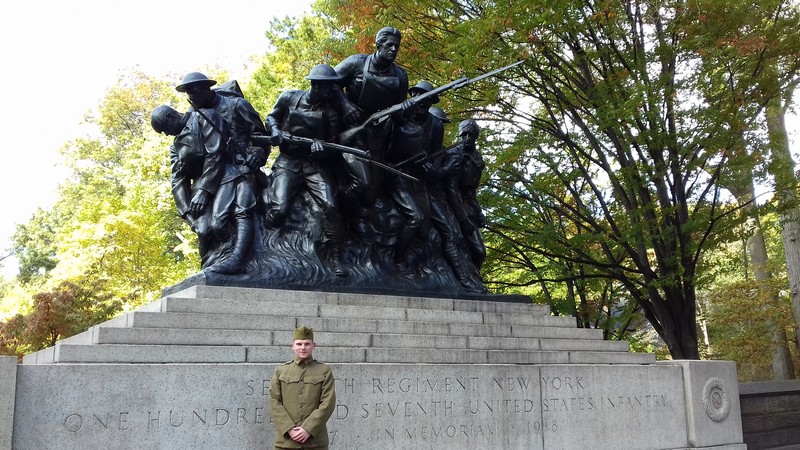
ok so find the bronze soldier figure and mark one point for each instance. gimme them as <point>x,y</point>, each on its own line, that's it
<point>461,189</point>
<point>371,83</point>
<point>414,133</point>
<point>243,178</point>
<point>197,157</point>
<point>312,114</point>
<point>446,165</point>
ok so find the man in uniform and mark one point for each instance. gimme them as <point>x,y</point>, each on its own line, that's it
<point>243,178</point>
<point>197,159</point>
<point>438,168</point>
<point>371,83</point>
<point>302,397</point>
<point>419,133</point>
<point>311,114</point>
<point>461,188</point>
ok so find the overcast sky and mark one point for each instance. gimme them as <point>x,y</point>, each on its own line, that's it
<point>60,57</point>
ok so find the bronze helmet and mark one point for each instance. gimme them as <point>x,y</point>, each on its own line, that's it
<point>194,78</point>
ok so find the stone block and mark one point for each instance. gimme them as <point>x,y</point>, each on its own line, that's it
<point>211,321</point>
<point>45,356</point>
<point>424,355</point>
<point>578,357</point>
<point>556,332</point>
<point>424,315</point>
<point>755,424</point>
<point>788,420</point>
<point>501,307</point>
<point>773,439</point>
<point>584,344</point>
<point>327,339</point>
<point>387,301</point>
<point>184,336</point>
<point>752,406</point>
<point>712,402</point>
<point>579,401</point>
<point>530,319</point>
<point>372,312</point>
<point>116,353</point>
<point>418,341</point>
<point>502,343</point>
<point>526,357</point>
<point>279,354</point>
<point>474,329</point>
<point>236,294</point>
<point>329,325</point>
<point>8,390</point>
<point>218,306</point>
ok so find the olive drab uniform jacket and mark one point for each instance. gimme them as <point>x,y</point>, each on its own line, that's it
<point>302,394</point>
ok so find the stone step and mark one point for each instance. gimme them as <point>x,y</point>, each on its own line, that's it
<point>386,333</point>
<point>235,294</point>
<point>234,325</point>
<point>174,354</point>
<point>448,352</point>
<point>192,336</point>
<point>195,328</point>
<point>249,307</point>
<point>143,354</point>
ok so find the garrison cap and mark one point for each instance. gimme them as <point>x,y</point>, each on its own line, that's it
<point>303,333</point>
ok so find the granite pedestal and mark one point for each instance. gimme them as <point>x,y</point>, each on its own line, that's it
<point>191,371</point>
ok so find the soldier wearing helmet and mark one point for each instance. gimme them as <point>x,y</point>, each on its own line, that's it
<point>461,188</point>
<point>234,203</point>
<point>313,114</point>
<point>440,169</point>
<point>413,133</point>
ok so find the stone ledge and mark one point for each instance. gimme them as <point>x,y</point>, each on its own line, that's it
<point>761,388</point>
<point>8,388</point>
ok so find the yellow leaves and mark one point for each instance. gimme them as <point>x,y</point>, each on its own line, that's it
<point>746,45</point>
<point>604,15</point>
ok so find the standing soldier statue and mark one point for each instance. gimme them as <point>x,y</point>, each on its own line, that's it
<point>235,201</point>
<point>462,187</point>
<point>306,164</point>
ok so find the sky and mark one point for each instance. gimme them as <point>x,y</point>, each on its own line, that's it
<point>60,57</point>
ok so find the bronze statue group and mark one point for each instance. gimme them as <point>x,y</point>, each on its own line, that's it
<point>363,196</point>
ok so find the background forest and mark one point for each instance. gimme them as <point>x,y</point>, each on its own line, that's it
<point>639,174</point>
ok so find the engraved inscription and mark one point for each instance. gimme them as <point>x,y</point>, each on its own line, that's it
<point>407,410</point>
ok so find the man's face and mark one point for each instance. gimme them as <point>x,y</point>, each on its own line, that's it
<point>424,104</point>
<point>173,123</point>
<point>387,51</point>
<point>468,137</point>
<point>200,95</point>
<point>303,348</point>
<point>320,90</point>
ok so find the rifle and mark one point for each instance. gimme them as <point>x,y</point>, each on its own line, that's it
<point>359,154</point>
<point>382,115</point>
<point>422,155</point>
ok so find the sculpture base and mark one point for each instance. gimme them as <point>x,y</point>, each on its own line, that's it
<point>388,406</point>
<point>205,278</point>
<point>192,370</point>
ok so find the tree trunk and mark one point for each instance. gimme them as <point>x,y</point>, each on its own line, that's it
<point>782,168</point>
<point>743,189</point>
<point>782,368</point>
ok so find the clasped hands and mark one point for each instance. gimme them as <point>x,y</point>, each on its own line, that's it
<point>299,434</point>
